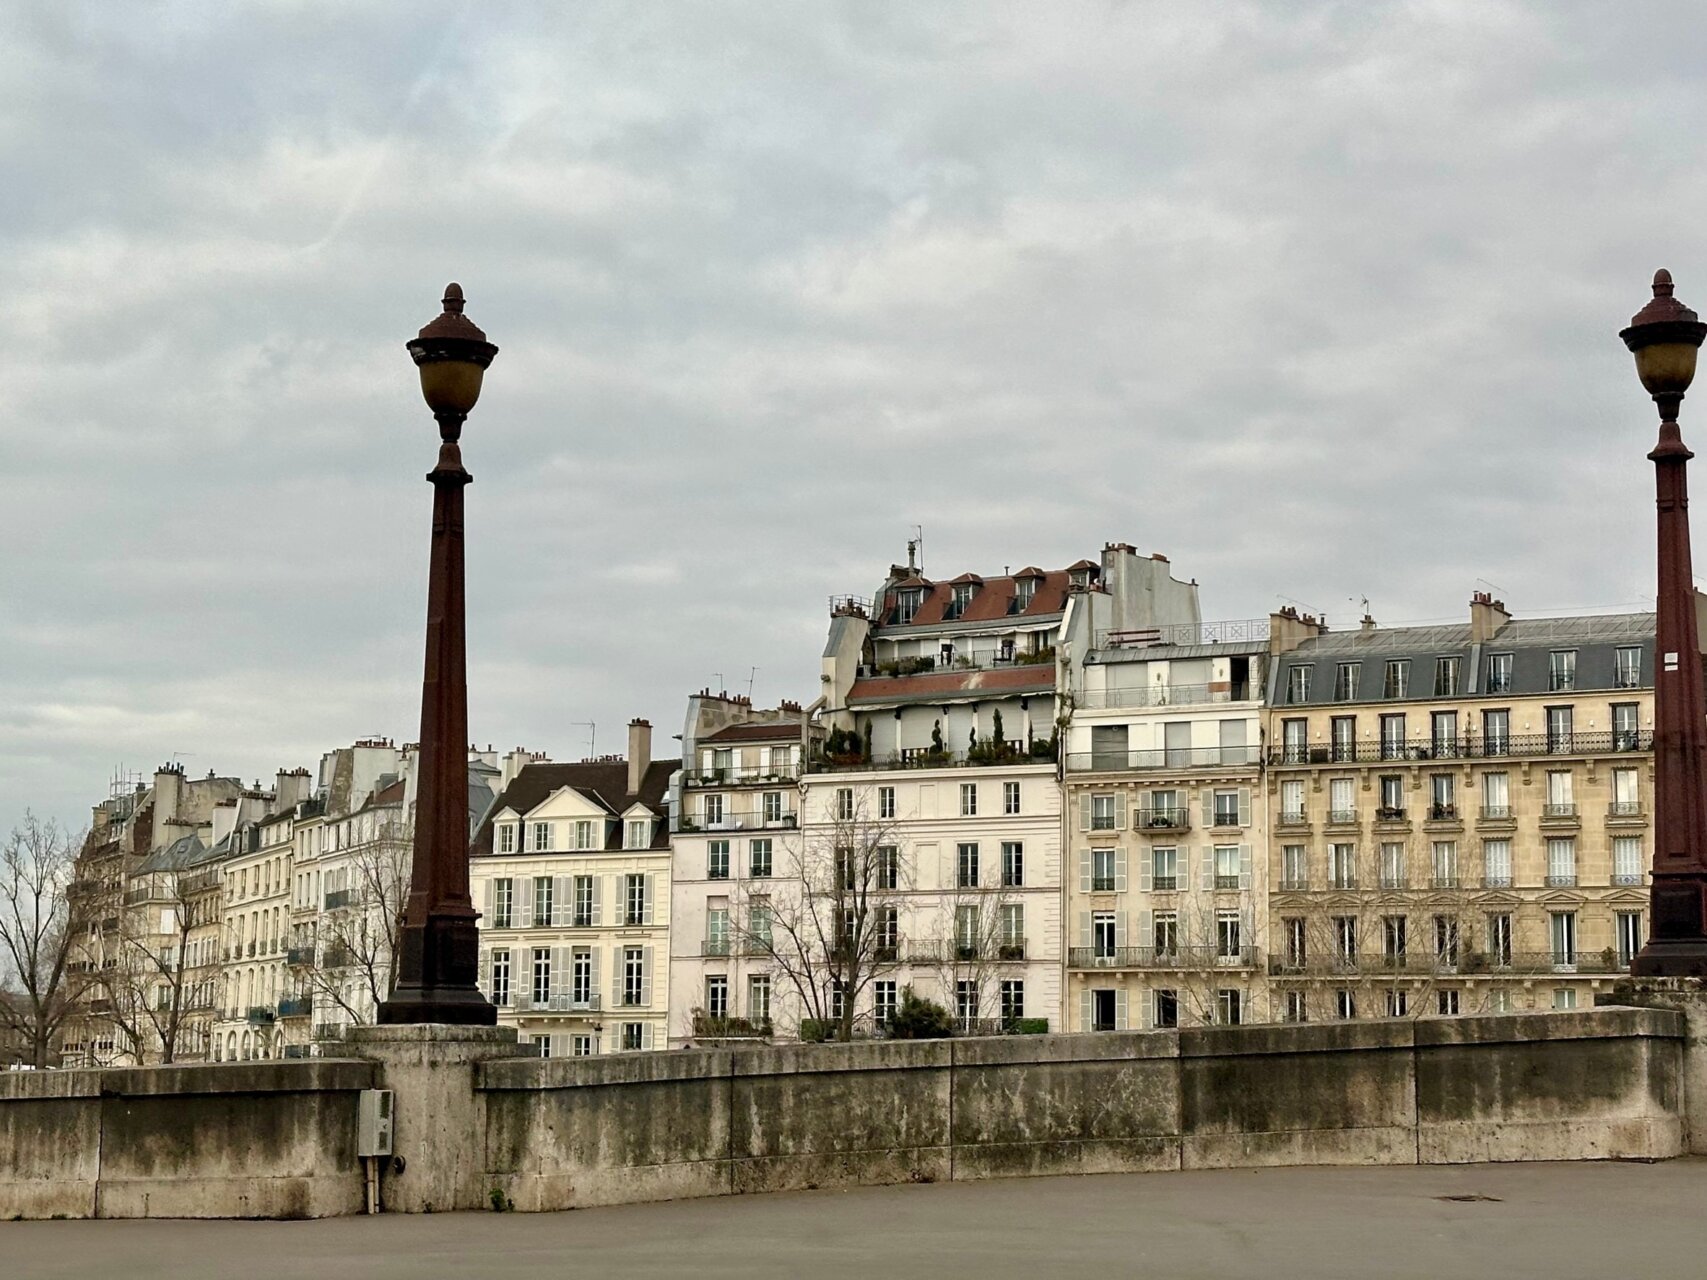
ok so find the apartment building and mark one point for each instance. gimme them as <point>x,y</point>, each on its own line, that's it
<point>1459,814</point>
<point>571,873</point>
<point>256,896</point>
<point>1167,877</point>
<point>735,830</point>
<point>943,703</point>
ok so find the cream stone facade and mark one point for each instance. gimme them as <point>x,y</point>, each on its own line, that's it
<point>1459,815</point>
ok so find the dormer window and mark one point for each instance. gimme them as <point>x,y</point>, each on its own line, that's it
<point>639,834</point>
<point>1024,590</point>
<point>960,596</point>
<point>907,603</point>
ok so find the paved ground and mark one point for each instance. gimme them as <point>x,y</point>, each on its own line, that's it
<point>1557,1221</point>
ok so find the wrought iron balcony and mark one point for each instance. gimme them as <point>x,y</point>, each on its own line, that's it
<point>1183,957</point>
<point>1173,818</point>
<point>1471,747</point>
<point>1163,758</point>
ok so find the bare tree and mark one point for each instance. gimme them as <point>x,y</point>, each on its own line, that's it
<point>42,917</point>
<point>156,996</point>
<point>829,923</point>
<point>977,943</point>
<point>358,937</point>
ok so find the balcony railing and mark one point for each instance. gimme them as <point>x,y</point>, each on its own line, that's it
<point>737,820</point>
<point>1625,809</point>
<point>1579,744</point>
<point>261,1015</point>
<point>1342,817</point>
<point>1390,813</point>
<point>1295,884</point>
<point>738,775</point>
<point>1443,813</point>
<point>1561,879</point>
<point>1163,695</point>
<point>1015,753</point>
<point>717,946</point>
<point>296,1006</point>
<point>523,1002</point>
<point>709,1027</point>
<point>1293,818</point>
<point>299,956</point>
<point>1559,812</point>
<point>954,950</point>
<point>1163,818</point>
<point>1496,813</point>
<point>339,898</point>
<point>1192,957</point>
<point>1628,877</point>
<point>1162,758</point>
<point>926,664</point>
<point>1235,631</point>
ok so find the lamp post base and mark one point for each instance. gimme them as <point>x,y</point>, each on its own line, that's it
<point>446,955</point>
<point>1671,958</point>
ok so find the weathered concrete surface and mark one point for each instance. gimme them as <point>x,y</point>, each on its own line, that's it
<point>1687,997</point>
<point>439,1116</point>
<point>264,1139</point>
<point>1591,1085</point>
<point>1544,1222</point>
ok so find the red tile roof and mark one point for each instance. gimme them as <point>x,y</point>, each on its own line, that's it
<point>785,732</point>
<point>990,602</point>
<point>604,782</point>
<point>1034,678</point>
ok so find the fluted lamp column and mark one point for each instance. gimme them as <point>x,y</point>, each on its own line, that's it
<point>1665,336</point>
<point>439,947</point>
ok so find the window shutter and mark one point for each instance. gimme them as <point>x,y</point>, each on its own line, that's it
<point>486,972</point>
<point>1085,812</point>
<point>1084,928</point>
<point>1120,871</point>
<point>1145,861</point>
<point>561,910</point>
<point>593,972</point>
<point>559,976</point>
<point>1119,930</point>
<point>559,1045</point>
<point>1244,806</point>
<point>1146,1005</point>
<point>1244,866</point>
<point>491,897</point>
<point>1085,1010</point>
<point>1120,811</point>
<point>1122,1020</point>
<point>523,911</point>
<point>1182,868</point>
<point>616,978</point>
<point>1246,924</point>
<point>649,883</point>
<point>1084,870</point>
<point>645,1035</point>
<point>1146,928</point>
<point>1208,809</point>
<point>1209,866</point>
<point>596,880</point>
<point>646,976</point>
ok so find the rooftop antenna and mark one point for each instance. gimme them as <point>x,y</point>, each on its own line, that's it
<point>592,733</point>
<point>722,684</point>
<point>752,674</point>
<point>916,549</point>
<point>1492,589</point>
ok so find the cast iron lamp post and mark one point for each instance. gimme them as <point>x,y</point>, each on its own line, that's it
<point>1665,336</point>
<point>438,951</point>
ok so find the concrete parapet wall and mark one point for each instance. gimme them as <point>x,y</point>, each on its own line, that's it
<point>249,1140</point>
<point>1591,1085</point>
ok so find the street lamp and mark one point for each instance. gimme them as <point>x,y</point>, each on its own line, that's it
<point>1665,336</point>
<point>439,946</point>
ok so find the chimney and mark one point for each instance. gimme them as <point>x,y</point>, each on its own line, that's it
<point>1287,629</point>
<point>290,788</point>
<point>1487,617</point>
<point>168,793</point>
<point>639,753</point>
<point>1367,624</point>
<point>224,819</point>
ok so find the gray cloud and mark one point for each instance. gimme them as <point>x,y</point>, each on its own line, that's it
<point>1320,300</point>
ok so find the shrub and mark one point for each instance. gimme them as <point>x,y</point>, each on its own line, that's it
<point>816,1030</point>
<point>1031,1026</point>
<point>916,1019</point>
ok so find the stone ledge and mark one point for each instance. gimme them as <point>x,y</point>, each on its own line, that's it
<point>1604,1022</point>
<point>1099,1046</point>
<point>298,1075</point>
<point>1296,1037</point>
<point>610,1069</point>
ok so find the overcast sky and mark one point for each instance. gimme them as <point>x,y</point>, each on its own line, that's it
<point>1319,300</point>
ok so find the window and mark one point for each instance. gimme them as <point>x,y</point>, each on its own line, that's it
<point>966,1002</point>
<point>1164,869</point>
<point>1013,1001</point>
<point>714,810</point>
<point>888,867</point>
<point>542,903</point>
<point>502,899</point>
<point>1393,737</point>
<point>717,931</point>
<point>1561,670</point>
<point>1392,798</point>
<point>1103,1006</point>
<point>1625,802</point>
<point>717,860</point>
<point>1627,860</point>
<point>759,924</point>
<point>717,996</point>
<point>542,836</point>
<point>1496,732</point>
<point>1627,672</point>
<point>1496,797</point>
<point>1103,939</point>
<point>541,977</point>
<point>1295,741</point>
<point>1393,865</point>
<point>1345,1003</point>
<point>639,833</point>
<point>759,858</point>
<point>1394,940</point>
<point>1559,726</point>
<point>1344,737</point>
<point>633,975</point>
<point>1298,684</point>
<point>1229,939</point>
<point>883,1001</point>
<point>770,807</point>
<point>1499,673</point>
<point>1561,800</point>
<point>1226,866</point>
<point>1342,801</point>
<point>1229,1007</point>
<point>1564,998</point>
<point>966,863</point>
<point>1443,734</point>
<point>637,910</point>
<point>907,603</point>
<point>1496,864</point>
<point>1443,797</point>
<point>1013,864</point>
<point>1294,867</point>
<point>1345,681</point>
<point>1297,1007</point>
<point>1561,863</point>
<point>1499,940</point>
<point>633,1036</point>
<point>886,802</point>
<point>1345,938</point>
<point>1227,809</point>
<point>1164,934</point>
<point>1446,942</point>
<point>1563,933</point>
<point>844,804</point>
<point>1446,677</point>
<point>1398,1004</point>
<point>968,799</point>
<point>1165,1006</point>
<point>1102,870</point>
<point>501,977</point>
<point>847,868</point>
<point>1626,728</point>
<point>506,837</point>
<point>1295,939</point>
<point>581,1046</point>
<point>1627,929</point>
<point>586,834</point>
<point>1292,800</point>
<point>1010,798</point>
<point>966,933</point>
<point>581,978</point>
<point>1102,813</point>
<point>1342,865</point>
<point>1396,683</point>
<point>886,936</point>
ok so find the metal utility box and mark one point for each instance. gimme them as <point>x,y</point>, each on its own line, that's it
<point>373,1122</point>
